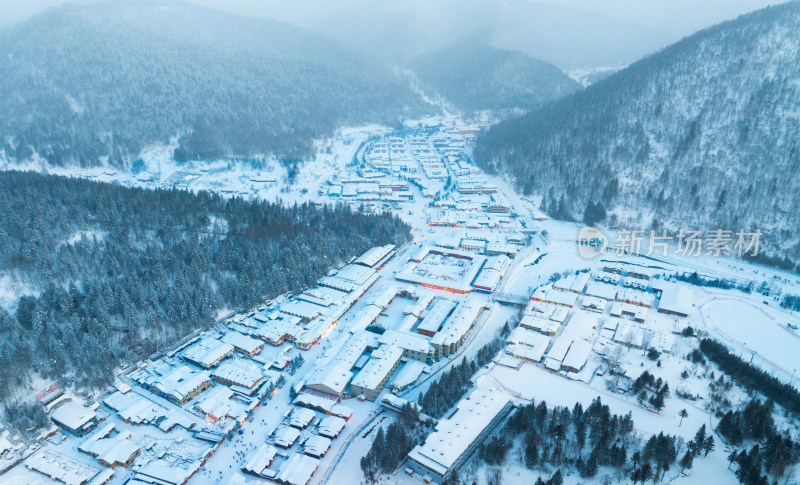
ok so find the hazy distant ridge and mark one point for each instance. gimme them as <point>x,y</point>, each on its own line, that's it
<point>475,76</point>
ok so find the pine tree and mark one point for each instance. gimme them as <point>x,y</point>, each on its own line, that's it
<point>708,446</point>
<point>732,458</point>
<point>556,479</point>
<point>531,454</point>
<point>636,475</point>
<point>686,461</point>
<point>646,472</point>
<point>683,414</point>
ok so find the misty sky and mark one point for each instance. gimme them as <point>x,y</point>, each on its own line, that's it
<point>574,34</point>
<point>679,17</point>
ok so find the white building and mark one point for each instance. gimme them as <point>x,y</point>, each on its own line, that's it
<point>298,470</point>
<point>371,380</point>
<point>541,325</point>
<point>414,346</point>
<point>74,418</point>
<point>331,426</point>
<point>577,356</point>
<point>301,417</point>
<point>376,256</point>
<point>285,437</point>
<point>456,438</point>
<point>316,446</point>
<point>435,317</point>
<point>575,283</point>
<point>456,328</point>
<point>676,300</point>
<point>243,343</point>
<point>242,375</point>
<point>260,461</point>
<point>207,352</point>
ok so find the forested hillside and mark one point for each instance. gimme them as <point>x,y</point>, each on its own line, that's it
<point>475,76</point>
<point>116,272</point>
<point>701,135</point>
<point>82,84</point>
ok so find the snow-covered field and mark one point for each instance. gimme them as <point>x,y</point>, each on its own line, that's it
<point>754,329</point>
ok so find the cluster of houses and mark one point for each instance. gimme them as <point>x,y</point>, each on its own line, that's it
<point>363,365</point>
<point>168,459</point>
<point>457,270</point>
<point>277,461</point>
<point>582,313</point>
<point>209,385</point>
<point>427,159</point>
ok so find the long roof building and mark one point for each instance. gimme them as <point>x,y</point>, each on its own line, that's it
<point>456,328</point>
<point>456,438</point>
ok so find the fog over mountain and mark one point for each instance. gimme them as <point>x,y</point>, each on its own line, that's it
<point>569,33</point>
<point>477,76</point>
<point>702,134</point>
<point>399,31</point>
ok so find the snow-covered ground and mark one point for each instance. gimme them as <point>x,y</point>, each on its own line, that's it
<point>742,320</point>
<point>586,77</point>
<point>754,329</point>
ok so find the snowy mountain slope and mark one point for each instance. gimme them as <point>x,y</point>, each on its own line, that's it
<point>701,135</point>
<point>82,83</point>
<point>475,76</point>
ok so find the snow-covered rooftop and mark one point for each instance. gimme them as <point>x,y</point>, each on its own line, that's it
<point>575,283</point>
<point>298,470</point>
<point>316,446</point>
<point>302,309</point>
<point>240,372</point>
<point>406,340</point>
<point>676,299</point>
<point>539,324</point>
<point>116,450</point>
<point>285,436</point>
<point>72,415</point>
<point>242,342</point>
<point>207,352</point>
<point>577,355</point>
<point>355,274</point>
<point>261,459</point>
<point>331,426</point>
<point>436,315</point>
<point>301,417</point>
<point>62,468</point>
<point>383,361</point>
<point>373,256</point>
<point>134,408</point>
<point>601,290</point>
<point>459,323</point>
<point>454,435</point>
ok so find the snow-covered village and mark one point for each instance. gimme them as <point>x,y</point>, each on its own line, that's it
<point>488,312</point>
<point>385,242</point>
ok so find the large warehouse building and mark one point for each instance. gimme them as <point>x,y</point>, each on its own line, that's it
<point>456,438</point>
